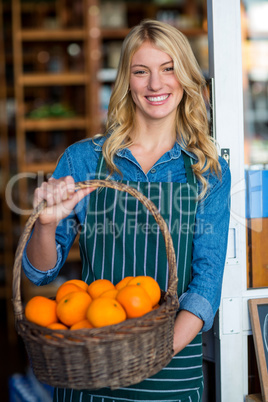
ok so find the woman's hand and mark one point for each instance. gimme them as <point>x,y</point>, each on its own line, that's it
<point>61,199</point>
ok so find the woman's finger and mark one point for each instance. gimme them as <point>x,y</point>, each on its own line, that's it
<point>60,196</point>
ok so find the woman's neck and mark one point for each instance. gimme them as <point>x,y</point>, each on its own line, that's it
<point>148,145</point>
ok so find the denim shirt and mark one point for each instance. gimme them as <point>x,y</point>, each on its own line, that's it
<point>211,228</point>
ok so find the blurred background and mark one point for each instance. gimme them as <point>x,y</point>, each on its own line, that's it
<point>58,61</point>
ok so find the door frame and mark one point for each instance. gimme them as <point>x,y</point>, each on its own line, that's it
<point>232,323</point>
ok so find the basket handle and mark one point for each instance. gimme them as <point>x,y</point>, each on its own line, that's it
<point>172,279</point>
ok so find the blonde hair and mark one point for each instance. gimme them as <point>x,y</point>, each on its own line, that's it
<point>191,119</point>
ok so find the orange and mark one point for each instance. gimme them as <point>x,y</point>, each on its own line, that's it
<point>66,288</point>
<point>81,324</point>
<point>57,325</point>
<point>105,311</point>
<point>135,301</point>
<point>78,282</point>
<point>123,282</point>
<point>73,307</point>
<point>150,285</point>
<point>112,293</point>
<point>99,286</point>
<point>41,310</point>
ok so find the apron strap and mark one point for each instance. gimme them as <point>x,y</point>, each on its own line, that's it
<point>188,162</point>
<point>101,167</point>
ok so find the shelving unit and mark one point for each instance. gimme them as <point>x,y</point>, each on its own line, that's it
<point>43,81</point>
<point>42,78</point>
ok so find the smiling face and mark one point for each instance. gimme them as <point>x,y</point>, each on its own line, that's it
<point>154,87</point>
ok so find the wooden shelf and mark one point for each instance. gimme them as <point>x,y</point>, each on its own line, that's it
<point>190,32</point>
<point>73,123</point>
<point>47,167</point>
<point>121,33</point>
<point>114,33</point>
<point>77,77</point>
<point>33,35</point>
<point>43,79</point>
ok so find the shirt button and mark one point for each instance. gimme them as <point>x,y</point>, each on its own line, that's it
<point>153,170</point>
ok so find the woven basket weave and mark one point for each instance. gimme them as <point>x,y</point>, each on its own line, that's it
<point>113,356</point>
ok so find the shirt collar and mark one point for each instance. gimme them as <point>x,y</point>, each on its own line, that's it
<point>98,143</point>
<point>174,153</point>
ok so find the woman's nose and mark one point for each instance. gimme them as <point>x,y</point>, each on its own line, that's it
<point>155,82</point>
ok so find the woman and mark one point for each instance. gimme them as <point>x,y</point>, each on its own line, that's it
<point>157,140</point>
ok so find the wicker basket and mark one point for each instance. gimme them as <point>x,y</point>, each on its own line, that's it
<point>113,356</point>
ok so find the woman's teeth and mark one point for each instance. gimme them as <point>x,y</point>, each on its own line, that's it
<point>157,98</point>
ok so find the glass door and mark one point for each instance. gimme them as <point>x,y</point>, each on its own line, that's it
<point>254,29</point>
<point>254,34</point>
<point>238,61</point>
<point>240,110</point>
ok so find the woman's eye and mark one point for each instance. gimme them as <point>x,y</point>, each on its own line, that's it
<point>169,69</point>
<point>139,72</point>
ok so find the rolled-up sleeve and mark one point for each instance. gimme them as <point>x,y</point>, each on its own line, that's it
<point>41,277</point>
<point>203,295</point>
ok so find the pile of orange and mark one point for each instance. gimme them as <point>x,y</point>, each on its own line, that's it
<point>79,305</point>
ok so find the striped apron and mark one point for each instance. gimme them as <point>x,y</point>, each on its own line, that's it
<point>121,238</point>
